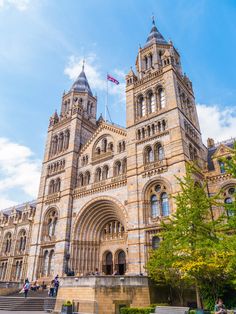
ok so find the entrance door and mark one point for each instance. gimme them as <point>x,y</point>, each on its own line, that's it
<point>109,264</point>
<point>121,263</point>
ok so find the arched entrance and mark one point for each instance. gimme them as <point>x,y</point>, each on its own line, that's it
<point>107,266</point>
<point>120,259</point>
<point>100,231</point>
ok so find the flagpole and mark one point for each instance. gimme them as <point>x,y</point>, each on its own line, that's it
<point>106,104</point>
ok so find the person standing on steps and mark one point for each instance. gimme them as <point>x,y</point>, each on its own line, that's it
<point>56,285</point>
<point>26,287</point>
<point>52,288</point>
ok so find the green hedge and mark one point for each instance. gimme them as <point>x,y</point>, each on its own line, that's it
<point>137,310</point>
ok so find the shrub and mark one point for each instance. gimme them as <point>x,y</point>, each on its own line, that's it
<point>136,310</point>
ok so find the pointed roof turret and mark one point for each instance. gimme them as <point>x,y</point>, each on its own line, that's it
<point>81,84</point>
<point>155,35</point>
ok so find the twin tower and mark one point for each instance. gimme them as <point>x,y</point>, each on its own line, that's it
<point>105,189</point>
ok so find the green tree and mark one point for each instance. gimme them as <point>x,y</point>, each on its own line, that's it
<point>190,251</point>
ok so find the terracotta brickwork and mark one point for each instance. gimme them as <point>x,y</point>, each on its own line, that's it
<point>104,189</point>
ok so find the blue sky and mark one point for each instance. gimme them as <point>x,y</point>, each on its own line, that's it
<point>42,45</point>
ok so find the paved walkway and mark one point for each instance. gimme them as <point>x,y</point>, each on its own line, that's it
<point>22,312</point>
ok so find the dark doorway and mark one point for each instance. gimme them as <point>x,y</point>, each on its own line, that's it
<point>109,264</point>
<point>121,263</point>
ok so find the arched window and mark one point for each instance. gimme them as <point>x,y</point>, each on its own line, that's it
<point>110,146</point>
<point>22,241</point>
<point>87,178</point>
<point>98,175</point>
<point>57,185</point>
<point>51,187</point>
<point>124,165</point>
<point>149,130</point>
<point>165,204</point>
<point>105,170</point>
<point>117,168</point>
<point>159,202</point>
<point>55,145</point>
<point>45,263</point>
<point>151,102</point>
<point>60,142</point>
<point>50,223</point>
<point>162,98</point>
<point>155,242</point>
<point>123,146</point>
<point>141,106</point>
<point>148,155</point>
<point>155,210</point>
<point>51,263</point>
<point>120,147</point>
<point>159,152</point>
<point>104,145</point>
<point>150,58</point>
<point>67,139</point>
<point>163,125</point>
<point>146,62</point>
<point>98,151</point>
<point>159,126</point>
<point>80,180</point>
<point>7,243</point>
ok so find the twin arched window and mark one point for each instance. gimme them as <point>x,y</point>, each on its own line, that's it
<point>54,186</point>
<point>153,154</point>
<point>152,101</point>
<point>159,202</point>
<point>59,143</point>
<point>51,223</point>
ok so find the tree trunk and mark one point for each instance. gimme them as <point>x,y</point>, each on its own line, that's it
<point>198,297</point>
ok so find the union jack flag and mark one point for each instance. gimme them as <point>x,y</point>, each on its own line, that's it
<point>112,79</point>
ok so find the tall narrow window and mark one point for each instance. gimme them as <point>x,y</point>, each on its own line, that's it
<point>154,206</point>
<point>151,103</point>
<point>164,204</point>
<point>162,98</point>
<point>155,242</point>
<point>98,175</point>
<point>141,106</point>
<point>148,157</point>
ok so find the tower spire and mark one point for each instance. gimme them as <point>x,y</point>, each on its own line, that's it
<point>153,19</point>
<point>83,65</point>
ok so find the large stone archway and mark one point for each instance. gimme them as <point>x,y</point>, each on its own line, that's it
<point>100,226</point>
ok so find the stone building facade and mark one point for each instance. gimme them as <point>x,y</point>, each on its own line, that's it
<point>105,189</point>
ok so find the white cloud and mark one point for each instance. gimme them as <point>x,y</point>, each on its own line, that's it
<point>217,122</point>
<point>20,5</point>
<point>19,172</point>
<point>96,77</point>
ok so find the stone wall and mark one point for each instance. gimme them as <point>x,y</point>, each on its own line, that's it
<point>103,294</point>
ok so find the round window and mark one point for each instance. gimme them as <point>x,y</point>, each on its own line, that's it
<point>231,191</point>
<point>157,188</point>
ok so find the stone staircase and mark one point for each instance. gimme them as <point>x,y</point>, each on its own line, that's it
<point>36,301</point>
